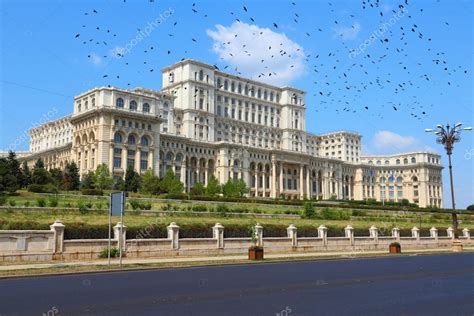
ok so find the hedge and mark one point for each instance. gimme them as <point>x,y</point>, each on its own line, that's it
<point>197,230</point>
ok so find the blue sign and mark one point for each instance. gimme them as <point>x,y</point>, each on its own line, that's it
<point>117,203</point>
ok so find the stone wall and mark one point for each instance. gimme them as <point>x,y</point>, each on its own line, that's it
<point>39,245</point>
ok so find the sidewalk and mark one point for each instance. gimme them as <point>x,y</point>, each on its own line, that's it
<point>213,259</point>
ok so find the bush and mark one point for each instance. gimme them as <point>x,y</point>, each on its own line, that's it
<point>12,202</point>
<point>27,204</point>
<point>43,188</point>
<point>199,208</point>
<point>40,202</point>
<point>114,252</point>
<point>3,200</point>
<point>139,205</point>
<point>470,207</point>
<point>222,208</point>
<point>309,210</point>
<point>358,213</point>
<point>92,192</point>
<point>53,201</point>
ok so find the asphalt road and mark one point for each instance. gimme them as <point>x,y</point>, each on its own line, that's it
<point>414,285</point>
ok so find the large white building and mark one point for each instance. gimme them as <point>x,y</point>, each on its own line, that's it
<point>206,122</point>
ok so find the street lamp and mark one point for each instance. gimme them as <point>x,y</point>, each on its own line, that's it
<point>447,136</point>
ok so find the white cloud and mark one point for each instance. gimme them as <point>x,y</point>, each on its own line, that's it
<point>244,46</point>
<point>386,142</point>
<point>347,32</point>
<point>96,60</point>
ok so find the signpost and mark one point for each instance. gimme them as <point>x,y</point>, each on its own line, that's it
<point>117,207</point>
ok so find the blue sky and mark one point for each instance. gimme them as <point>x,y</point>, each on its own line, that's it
<point>387,72</point>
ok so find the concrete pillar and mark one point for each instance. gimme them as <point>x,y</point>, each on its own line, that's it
<point>273,181</point>
<point>349,231</point>
<point>396,233</point>
<point>292,233</point>
<point>415,233</point>
<point>308,184</point>
<point>124,157</point>
<point>374,233</point>
<point>259,235</point>
<point>466,234</point>
<point>281,180</point>
<point>323,233</point>
<point>58,238</point>
<point>173,235</point>
<point>256,181</point>
<point>434,233</point>
<point>111,158</point>
<point>301,183</point>
<point>138,150</point>
<point>450,232</point>
<point>120,239</point>
<point>264,182</point>
<point>218,234</point>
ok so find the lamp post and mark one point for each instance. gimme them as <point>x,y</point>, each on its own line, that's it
<point>447,136</point>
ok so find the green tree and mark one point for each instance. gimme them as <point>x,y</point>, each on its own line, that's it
<point>309,210</point>
<point>119,184</point>
<point>7,181</point>
<point>170,184</point>
<point>102,178</point>
<point>150,183</point>
<point>87,181</point>
<point>234,188</point>
<point>40,175</point>
<point>25,175</point>
<point>198,189</point>
<point>56,176</point>
<point>71,179</point>
<point>132,180</point>
<point>213,187</point>
<point>14,166</point>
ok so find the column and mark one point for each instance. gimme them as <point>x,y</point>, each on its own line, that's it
<point>218,234</point>
<point>292,234</point>
<point>111,158</point>
<point>264,182</point>
<point>121,238</point>
<point>137,159</point>
<point>308,183</point>
<point>273,181</point>
<point>124,157</point>
<point>280,191</point>
<point>256,182</point>
<point>173,235</point>
<point>58,238</point>
<point>183,174</point>
<point>301,183</point>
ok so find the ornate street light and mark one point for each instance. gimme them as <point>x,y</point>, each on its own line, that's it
<point>447,136</point>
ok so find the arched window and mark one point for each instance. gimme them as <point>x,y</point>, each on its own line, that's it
<point>79,108</point>
<point>131,140</point>
<point>397,162</point>
<point>232,86</point>
<point>119,103</point>
<point>239,88</point>
<point>387,162</point>
<point>371,162</point>
<point>146,108</point>
<point>226,85</point>
<point>118,138</point>
<point>414,179</point>
<point>93,102</point>
<point>405,161</point>
<point>399,180</point>
<point>201,75</point>
<point>379,162</point>
<point>133,105</point>
<point>259,93</point>
<point>413,160</point>
<point>219,83</point>
<point>144,141</point>
<point>86,105</point>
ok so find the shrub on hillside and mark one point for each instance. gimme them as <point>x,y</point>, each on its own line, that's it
<point>199,208</point>
<point>92,192</point>
<point>114,252</point>
<point>3,200</point>
<point>53,201</point>
<point>42,188</point>
<point>40,202</point>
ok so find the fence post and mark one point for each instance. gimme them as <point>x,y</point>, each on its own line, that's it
<point>349,231</point>
<point>120,239</point>
<point>450,232</point>
<point>434,233</point>
<point>259,235</point>
<point>218,234</point>
<point>396,233</point>
<point>58,238</point>
<point>292,233</point>
<point>465,233</point>
<point>374,233</point>
<point>323,233</point>
<point>173,235</point>
<point>415,233</point>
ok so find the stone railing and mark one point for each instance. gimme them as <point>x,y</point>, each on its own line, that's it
<point>18,245</point>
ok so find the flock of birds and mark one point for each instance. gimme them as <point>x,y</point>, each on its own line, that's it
<point>340,83</point>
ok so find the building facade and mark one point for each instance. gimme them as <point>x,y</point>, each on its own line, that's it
<point>206,122</point>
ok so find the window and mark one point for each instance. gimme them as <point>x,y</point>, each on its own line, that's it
<point>117,162</point>
<point>118,138</point>
<point>405,161</point>
<point>146,108</point>
<point>397,161</point>
<point>144,141</point>
<point>133,105</point>
<point>119,103</point>
<point>131,140</point>
<point>413,160</point>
